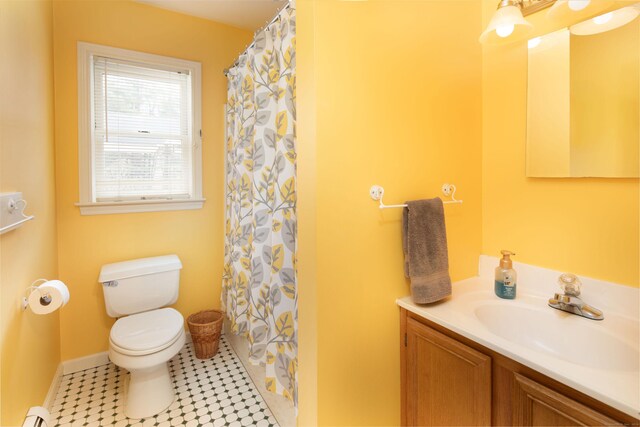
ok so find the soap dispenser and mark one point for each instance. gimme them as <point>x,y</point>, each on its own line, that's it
<point>505,285</point>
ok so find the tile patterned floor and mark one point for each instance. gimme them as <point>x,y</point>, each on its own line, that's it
<point>214,392</point>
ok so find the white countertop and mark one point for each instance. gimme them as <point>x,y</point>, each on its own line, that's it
<point>599,358</point>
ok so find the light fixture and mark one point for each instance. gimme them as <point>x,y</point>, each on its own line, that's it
<point>606,22</point>
<point>506,22</point>
<point>576,9</point>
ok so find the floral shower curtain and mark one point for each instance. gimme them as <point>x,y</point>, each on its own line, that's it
<point>259,293</point>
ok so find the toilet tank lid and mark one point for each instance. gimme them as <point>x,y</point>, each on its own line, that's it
<point>139,267</point>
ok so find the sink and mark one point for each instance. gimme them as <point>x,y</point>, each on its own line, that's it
<point>565,336</point>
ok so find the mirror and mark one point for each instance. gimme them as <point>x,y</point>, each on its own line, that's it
<point>583,103</point>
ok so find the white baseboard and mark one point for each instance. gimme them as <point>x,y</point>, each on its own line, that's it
<point>53,388</point>
<point>86,362</point>
<point>94,360</point>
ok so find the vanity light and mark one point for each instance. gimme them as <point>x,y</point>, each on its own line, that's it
<point>570,9</point>
<point>509,24</point>
<point>608,21</point>
<point>507,21</point>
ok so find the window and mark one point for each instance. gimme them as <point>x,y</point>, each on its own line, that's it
<point>139,131</point>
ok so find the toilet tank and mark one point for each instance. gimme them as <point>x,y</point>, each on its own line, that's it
<point>140,285</point>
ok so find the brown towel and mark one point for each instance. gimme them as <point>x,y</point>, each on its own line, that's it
<point>424,241</point>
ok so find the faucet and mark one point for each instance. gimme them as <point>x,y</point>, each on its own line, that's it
<point>569,302</point>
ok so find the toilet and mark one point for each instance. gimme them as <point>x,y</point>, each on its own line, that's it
<point>147,333</point>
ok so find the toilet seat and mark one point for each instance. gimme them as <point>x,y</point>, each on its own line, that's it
<point>146,333</point>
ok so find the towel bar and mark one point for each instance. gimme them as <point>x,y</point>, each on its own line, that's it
<point>376,192</point>
<point>11,217</point>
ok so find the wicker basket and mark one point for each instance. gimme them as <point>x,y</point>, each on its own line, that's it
<point>205,327</point>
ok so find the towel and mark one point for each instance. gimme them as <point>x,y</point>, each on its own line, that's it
<point>424,241</point>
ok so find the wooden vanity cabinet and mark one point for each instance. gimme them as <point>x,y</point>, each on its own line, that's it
<point>450,383</point>
<point>537,405</point>
<point>449,380</point>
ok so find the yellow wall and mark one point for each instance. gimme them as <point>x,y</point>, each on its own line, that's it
<point>30,343</point>
<point>88,242</point>
<point>396,89</point>
<point>589,226</point>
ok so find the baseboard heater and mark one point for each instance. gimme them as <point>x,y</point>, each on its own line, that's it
<point>37,416</point>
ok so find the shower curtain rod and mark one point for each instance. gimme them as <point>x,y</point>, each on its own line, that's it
<point>271,21</point>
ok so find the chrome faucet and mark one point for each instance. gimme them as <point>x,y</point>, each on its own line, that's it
<point>569,302</point>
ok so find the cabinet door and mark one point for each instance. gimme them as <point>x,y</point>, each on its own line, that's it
<point>447,383</point>
<point>537,405</point>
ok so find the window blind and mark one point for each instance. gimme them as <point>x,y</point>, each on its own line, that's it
<point>142,137</point>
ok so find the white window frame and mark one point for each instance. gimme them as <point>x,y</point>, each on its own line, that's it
<point>88,204</point>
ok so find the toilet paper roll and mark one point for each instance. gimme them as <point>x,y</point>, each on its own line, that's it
<point>48,297</point>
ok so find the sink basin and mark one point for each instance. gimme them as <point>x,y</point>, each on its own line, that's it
<point>565,336</point>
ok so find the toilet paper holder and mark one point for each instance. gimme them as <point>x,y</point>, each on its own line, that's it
<point>45,296</point>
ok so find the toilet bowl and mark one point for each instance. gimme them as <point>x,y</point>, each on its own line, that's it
<point>143,344</point>
<point>147,334</point>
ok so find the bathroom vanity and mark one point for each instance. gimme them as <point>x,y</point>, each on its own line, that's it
<point>475,359</point>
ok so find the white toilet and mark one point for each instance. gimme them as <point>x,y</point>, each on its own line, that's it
<point>146,335</point>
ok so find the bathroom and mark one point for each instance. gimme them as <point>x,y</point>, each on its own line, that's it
<point>400,94</point>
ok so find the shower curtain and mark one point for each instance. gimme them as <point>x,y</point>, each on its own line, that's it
<point>259,293</point>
